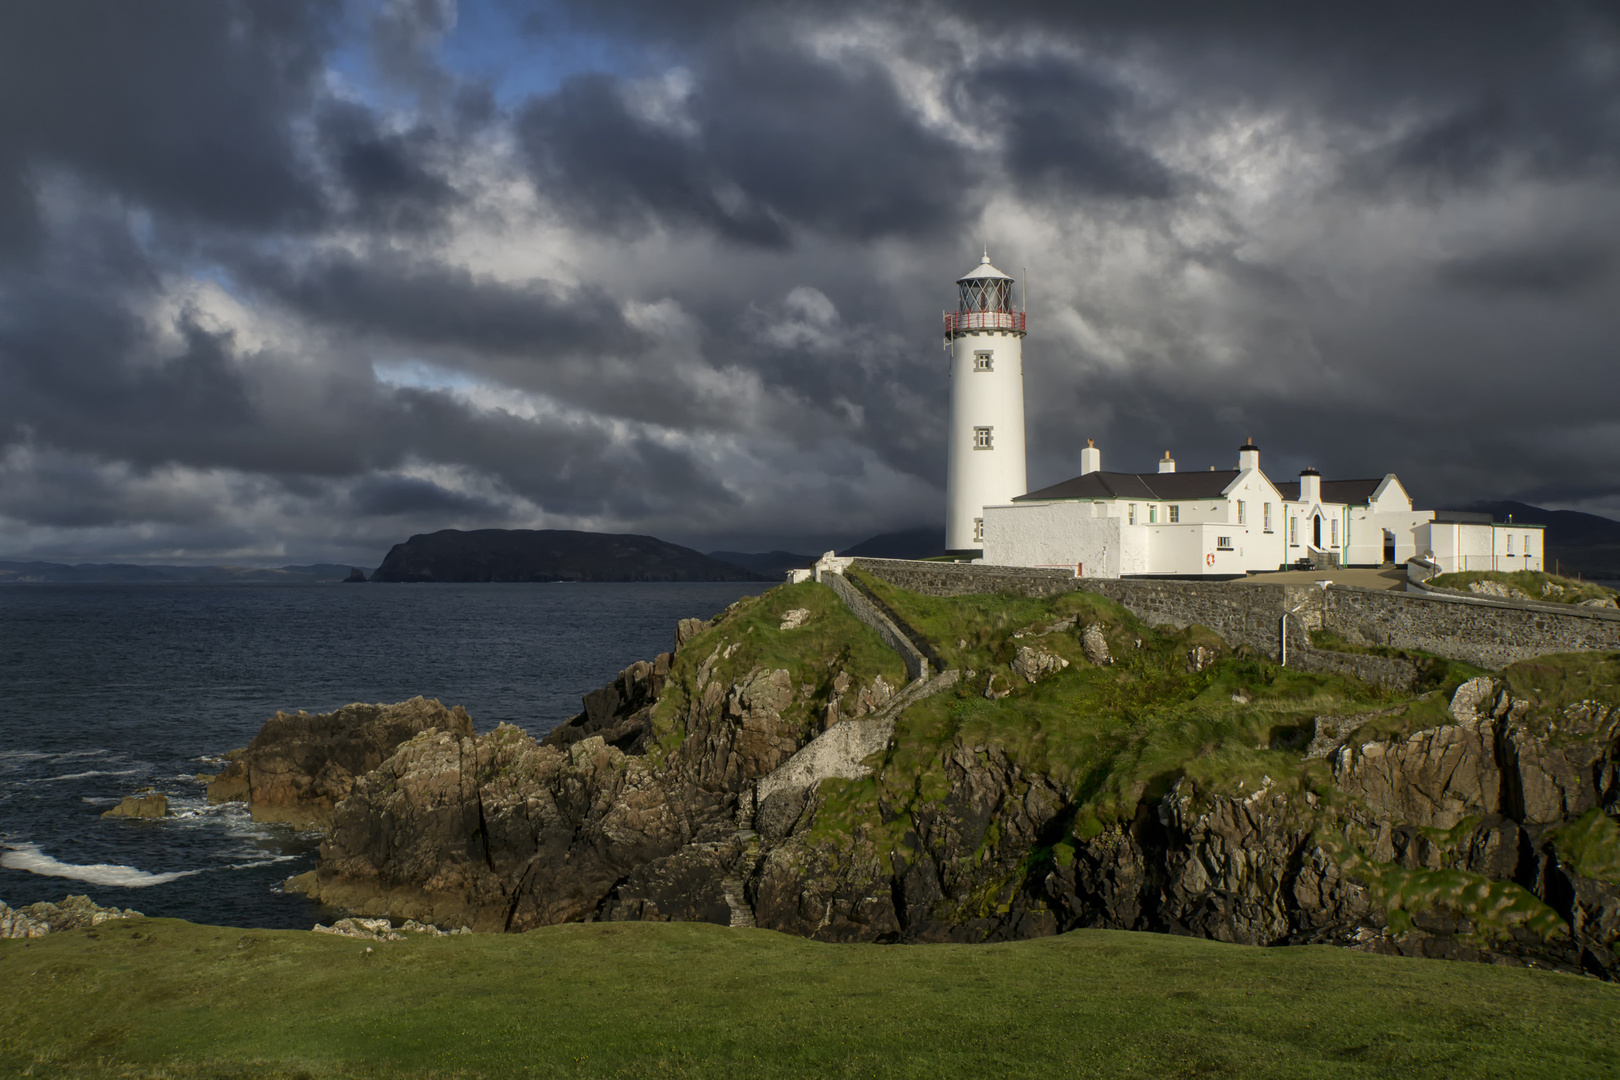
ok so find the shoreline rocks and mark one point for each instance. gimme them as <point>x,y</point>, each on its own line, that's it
<point>299,767</point>
<point>73,913</point>
<point>149,805</point>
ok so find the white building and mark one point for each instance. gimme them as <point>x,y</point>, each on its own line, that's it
<point>985,455</point>
<point>1223,523</point>
<point>1230,522</point>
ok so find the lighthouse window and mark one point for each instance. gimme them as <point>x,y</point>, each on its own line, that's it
<point>981,360</point>
<point>981,438</point>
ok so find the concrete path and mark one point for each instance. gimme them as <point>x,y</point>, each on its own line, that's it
<point>1365,578</point>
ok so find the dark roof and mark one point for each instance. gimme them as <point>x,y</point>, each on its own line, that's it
<point>1123,485</point>
<point>1461,517</point>
<point>1349,492</point>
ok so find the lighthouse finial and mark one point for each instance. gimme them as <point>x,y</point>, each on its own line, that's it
<point>986,259</point>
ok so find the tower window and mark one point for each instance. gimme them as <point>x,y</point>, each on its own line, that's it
<point>978,530</point>
<point>981,438</point>
<point>1175,514</point>
<point>981,360</point>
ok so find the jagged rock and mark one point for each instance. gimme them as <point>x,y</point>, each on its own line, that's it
<point>384,930</point>
<point>1200,657</point>
<point>73,913</point>
<point>1551,590</point>
<point>1497,589</point>
<point>1035,664</point>
<point>299,767</point>
<point>154,805</point>
<point>997,686</point>
<point>1599,602</point>
<point>1469,697</point>
<point>1095,642</point>
<point>619,711</point>
<point>794,619</point>
<point>687,629</point>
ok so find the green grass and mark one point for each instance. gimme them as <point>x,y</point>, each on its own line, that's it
<point>1529,582</point>
<point>160,998</point>
<point>1591,844</point>
<point>830,641</point>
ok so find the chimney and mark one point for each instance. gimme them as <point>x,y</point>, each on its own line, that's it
<point>1090,458</point>
<point>1310,486</point>
<point>1248,456</point>
<point>1167,463</point>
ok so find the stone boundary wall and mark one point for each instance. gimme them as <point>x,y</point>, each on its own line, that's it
<point>1490,634</point>
<point>864,610</point>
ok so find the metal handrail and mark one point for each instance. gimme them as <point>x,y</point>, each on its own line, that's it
<point>984,320</point>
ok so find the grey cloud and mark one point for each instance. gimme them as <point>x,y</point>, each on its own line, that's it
<point>391,495</point>
<point>1548,271</point>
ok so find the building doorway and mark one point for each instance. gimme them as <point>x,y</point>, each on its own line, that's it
<point>1389,548</point>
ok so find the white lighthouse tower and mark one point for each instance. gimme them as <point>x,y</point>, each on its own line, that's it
<point>985,460</point>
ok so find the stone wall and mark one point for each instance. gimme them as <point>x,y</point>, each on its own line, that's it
<point>1487,633</point>
<point>863,609</point>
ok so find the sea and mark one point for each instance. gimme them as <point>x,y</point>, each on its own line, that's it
<point>107,689</point>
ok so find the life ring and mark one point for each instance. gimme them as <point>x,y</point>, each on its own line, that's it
<point>1209,560</point>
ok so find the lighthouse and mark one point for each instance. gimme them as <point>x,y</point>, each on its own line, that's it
<point>985,459</point>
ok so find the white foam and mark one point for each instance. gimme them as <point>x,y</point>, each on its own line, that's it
<point>83,775</point>
<point>28,857</point>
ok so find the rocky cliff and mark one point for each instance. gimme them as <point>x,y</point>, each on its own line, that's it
<point>1073,767</point>
<point>299,767</point>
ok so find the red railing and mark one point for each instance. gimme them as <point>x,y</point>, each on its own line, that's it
<point>983,320</point>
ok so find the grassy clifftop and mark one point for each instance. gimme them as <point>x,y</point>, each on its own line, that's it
<point>154,998</point>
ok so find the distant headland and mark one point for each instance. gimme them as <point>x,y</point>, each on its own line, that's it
<point>495,555</point>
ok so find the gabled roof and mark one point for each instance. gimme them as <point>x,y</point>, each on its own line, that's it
<point>1118,485</point>
<point>1349,492</point>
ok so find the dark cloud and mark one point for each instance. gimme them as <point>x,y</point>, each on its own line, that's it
<point>767,142</point>
<point>1543,271</point>
<point>693,289</point>
<point>187,106</point>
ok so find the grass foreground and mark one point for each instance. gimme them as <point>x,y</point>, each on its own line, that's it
<point>163,998</point>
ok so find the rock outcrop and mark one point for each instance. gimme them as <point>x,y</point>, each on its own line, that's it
<point>727,783</point>
<point>148,805</point>
<point>299,767</point>
<point>73,913</point>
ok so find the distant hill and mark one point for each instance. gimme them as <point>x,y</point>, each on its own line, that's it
<point>17,573</point>
<point>923,542</point>
<point>1583,544</point>
<point>549,555</point>
<point>772,563</point>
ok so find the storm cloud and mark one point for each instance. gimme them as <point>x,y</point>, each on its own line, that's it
<point>291,281</point>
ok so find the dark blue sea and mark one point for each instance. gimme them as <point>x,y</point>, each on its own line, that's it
<point>108,688</point>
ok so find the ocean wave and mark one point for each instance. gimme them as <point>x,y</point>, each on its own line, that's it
<point>82,775</point>
<point>256,863</point>
<point>28,857</point>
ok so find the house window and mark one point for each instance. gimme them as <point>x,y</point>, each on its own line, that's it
<point>1175,514</point>
<point>978,530</point>
<point>1510,543</point>
<point>1266,515</point>
<point>1243,512</point>
<point>1223,543</point>
<point>981,360</point>
<point>1335,537</point>
<point>981,438</point>
<point>1293,532</point>
<point>1131,514</point>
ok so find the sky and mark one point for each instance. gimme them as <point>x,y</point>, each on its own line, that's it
<point>292,281</point>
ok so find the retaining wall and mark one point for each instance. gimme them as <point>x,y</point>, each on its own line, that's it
<point>1487,633</point>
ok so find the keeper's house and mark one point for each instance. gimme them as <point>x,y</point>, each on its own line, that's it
<point>1230,522</point>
